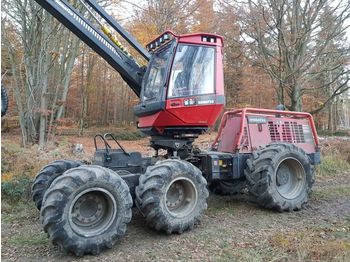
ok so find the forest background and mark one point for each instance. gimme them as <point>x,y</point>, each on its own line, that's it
<point>295,53</point>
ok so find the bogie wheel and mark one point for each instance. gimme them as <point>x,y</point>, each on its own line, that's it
<point>86,210</point>
<point>172,195</point>
<point>227,188</point>
<point>48,174</point>
<point>280,176</point>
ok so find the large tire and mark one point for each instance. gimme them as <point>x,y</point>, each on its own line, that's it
<point>280,176</point>
<point>227,188</point>
<point>86,210</point>
<point>172,195</point>
<point>48,174</point>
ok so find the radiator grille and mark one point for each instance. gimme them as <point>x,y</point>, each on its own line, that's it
<point>292,132</point>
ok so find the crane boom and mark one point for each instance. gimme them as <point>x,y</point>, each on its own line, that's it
<point>71,18</point>
<point>116,26</point>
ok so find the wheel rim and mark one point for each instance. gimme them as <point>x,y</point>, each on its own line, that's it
<point>290,178</point>
<point>181,197</point>
<point>92,212</point>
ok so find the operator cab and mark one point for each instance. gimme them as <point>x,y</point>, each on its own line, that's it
<point>182,90</point>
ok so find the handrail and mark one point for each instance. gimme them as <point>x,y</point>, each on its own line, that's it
<point>115,140</point>
<point>107,146</point>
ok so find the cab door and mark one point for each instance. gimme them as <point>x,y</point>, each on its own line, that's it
<point>191,94</point>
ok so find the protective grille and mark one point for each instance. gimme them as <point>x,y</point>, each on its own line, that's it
<point>275,135</point>
<point>287,133</point>
<point>292,132</point>
<point>298,133</point>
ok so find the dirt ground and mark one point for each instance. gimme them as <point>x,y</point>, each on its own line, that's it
<point>232,229</point>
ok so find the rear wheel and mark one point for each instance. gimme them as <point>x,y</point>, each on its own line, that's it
<point>172,195</point>
<point>280,177</point>
<point>48,174</point>
<point>86,210</point>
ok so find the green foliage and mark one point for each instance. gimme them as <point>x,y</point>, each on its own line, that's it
<point>16,189</point>
<point>332,165</point>
<point>19,166</point>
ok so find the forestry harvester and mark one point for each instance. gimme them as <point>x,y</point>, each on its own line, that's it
<point>86,208</point>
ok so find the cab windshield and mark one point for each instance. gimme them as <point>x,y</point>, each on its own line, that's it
<point>192,72</point>
<point>156,76</point>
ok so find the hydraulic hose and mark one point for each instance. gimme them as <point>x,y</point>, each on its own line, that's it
<point>106,30</point>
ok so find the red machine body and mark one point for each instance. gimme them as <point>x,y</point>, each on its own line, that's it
<point>191,110</point>
<point>245,130</point>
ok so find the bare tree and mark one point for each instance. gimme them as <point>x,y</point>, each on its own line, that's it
<point>42,58</point>
<point>287,38</point>
<point>156,16</point>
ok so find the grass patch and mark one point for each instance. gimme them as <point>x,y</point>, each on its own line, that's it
<point>221,245</point>
<point>332,192</point>
<point>255,255</point>
<point>315,244</point>
<point>18,215</point>
<point>17,211</point>
<point>332,165</point>
<point>28,239</point>
<point>218,205</point>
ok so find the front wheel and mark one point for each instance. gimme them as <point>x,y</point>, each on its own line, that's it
<point>172,195</point>
<point>47,175</point>
<point>280,177</point>
<point>86,210</point>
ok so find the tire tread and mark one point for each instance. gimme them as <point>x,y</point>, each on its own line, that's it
<point>259,172</point>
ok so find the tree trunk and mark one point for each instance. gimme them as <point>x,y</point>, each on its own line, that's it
<point>67,69</point>
<point>296,103</point>
<point>82,91</point>
<point>330,118</point>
